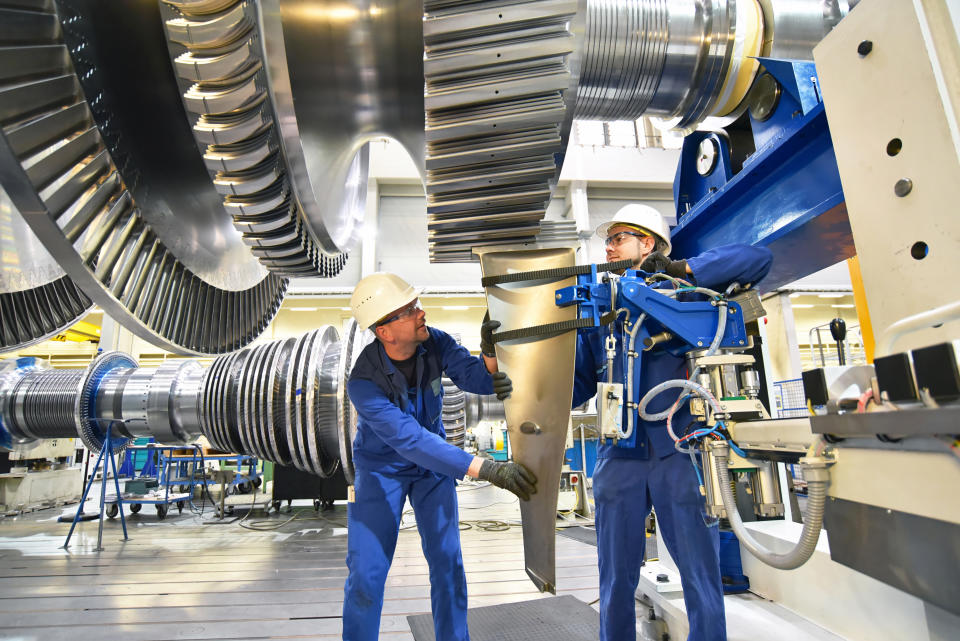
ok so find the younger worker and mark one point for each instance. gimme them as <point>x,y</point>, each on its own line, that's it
<point>627,482</point>
<point>400,452</point>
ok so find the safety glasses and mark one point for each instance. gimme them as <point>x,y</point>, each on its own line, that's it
<point>405,312</point>
<point>619,237</point>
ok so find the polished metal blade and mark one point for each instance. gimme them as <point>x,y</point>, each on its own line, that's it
<point>541,369</point>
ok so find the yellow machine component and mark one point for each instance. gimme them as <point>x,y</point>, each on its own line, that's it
<point>80,332</point>
<point>743,67</point>
<point>863,311</point>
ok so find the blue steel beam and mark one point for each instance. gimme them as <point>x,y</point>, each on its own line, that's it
<point>787,197</point>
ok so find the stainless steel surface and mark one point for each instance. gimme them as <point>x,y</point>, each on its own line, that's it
<point>538,410</point>
<point>454,413</point>
<point>278,401</point>
<point>12,372</point>
<point>42,405</point>
<point>59,174</point>
<point>500,87</point>
<point>483,408</point>
<point>153,401</point>
<point>686,61</point>
<point>651,57</point>
<point>283,401</point>
<point>795,28</point>
<point>89,427</point>
<point>38,300</point>
<point>369,84</point>
<point>914,553</point>
<point>26,262</point>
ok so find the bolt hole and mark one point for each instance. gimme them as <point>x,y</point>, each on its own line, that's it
<point>496,91</point>
<point>894,147</point>
<point>919,250</point>
<point>500,16</point>
<point>498,55</point>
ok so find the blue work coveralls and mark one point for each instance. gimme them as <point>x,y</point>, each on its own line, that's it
<point>400,451</point>
<point>628,481</point>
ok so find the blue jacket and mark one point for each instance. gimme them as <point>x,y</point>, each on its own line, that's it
<point>400,428</point>
<point>714,269</point>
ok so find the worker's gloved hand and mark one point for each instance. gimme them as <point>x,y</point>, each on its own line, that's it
<point>510,476</point>
<point>486,336</point>
<point>502,385</point>
<point>657,262</point>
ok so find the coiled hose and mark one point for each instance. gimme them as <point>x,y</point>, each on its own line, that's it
<point>818,479</point>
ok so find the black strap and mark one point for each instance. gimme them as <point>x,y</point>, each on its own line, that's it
<point>555,273</point>
<point>543,330</point>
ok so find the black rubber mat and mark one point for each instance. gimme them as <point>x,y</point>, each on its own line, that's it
<point>561,618</point>
<point>583,534</point>
<point>588,535</point>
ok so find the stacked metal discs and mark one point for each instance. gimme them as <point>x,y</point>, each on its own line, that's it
<point>278,401</point>
<point>43,404</point>
<point>655,57</point>
<point>454,413</point>
<point>624,54</point>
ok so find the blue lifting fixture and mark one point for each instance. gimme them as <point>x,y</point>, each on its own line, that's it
<point>690,324</point>
<point>786,197</point>
<point>107,458</point>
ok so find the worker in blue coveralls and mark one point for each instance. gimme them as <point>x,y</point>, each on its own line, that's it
<point>627,482</point>
<point>400,452</point>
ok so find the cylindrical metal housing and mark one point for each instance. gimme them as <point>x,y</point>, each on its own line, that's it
<point>750,380</point>
<point>42,404</point>
<point>159,402</point>
<point>684,61</point>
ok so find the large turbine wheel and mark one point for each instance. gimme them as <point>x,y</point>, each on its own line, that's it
<point>282,97</point>
<point>37,300</point>
<point>78,184</point>
<point>240,116</point>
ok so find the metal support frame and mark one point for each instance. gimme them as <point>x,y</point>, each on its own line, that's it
<point>786,197</point>
<point>105,457</point>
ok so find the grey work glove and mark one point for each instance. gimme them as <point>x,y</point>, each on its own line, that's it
<point>502,385</point>
<point>657,262</point>
<point>486,336</point>
<point>510,476</point>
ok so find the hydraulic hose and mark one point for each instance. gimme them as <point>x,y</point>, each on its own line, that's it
<point>631,355</point>
<point>816,475</point>
<point>683,384</point>
<point>686,384</point>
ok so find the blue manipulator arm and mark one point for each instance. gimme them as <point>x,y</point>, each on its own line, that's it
<point>707,322</point>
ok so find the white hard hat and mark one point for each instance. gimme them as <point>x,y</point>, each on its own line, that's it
<point>643,216</point>
<point>378,294</point>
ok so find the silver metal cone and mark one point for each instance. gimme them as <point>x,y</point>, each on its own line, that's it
<point>541,369</point>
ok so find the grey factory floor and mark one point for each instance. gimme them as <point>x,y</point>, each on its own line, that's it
<point>192,577</point>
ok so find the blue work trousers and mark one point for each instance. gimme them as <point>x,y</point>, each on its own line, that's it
<point>374,523</point>
<point>624,490</point>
